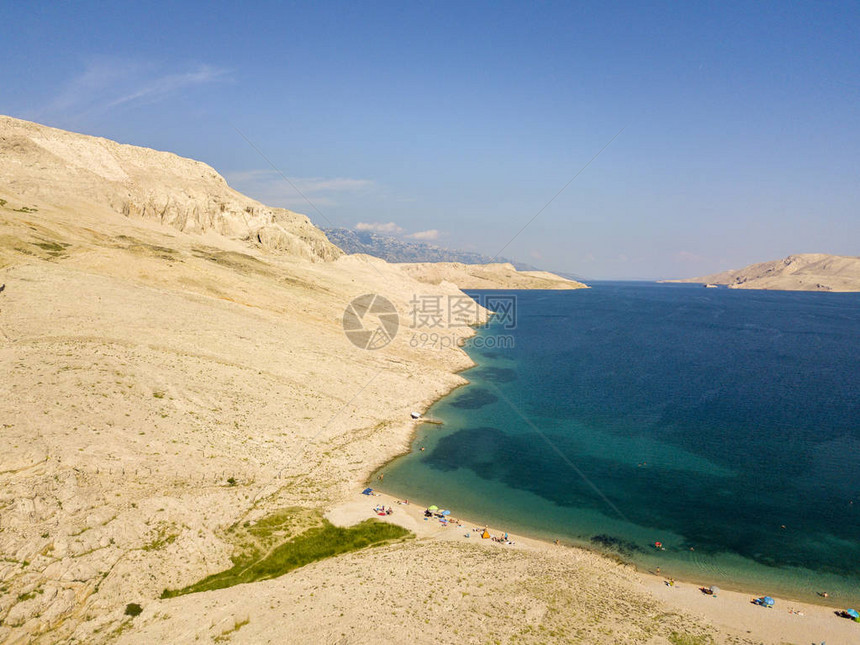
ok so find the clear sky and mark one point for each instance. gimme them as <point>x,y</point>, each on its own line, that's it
<point>459,121</point>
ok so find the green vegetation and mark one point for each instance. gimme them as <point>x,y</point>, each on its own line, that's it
<point>238,262</point>
<point>160,542</point>
<point>146,250</point>
<point>23,209</point>
<point>225,635</point>
<point>28,596</point>
<point>52,249</point>
<point>287,540</point>
<point>133,609</point>
<point>688,639</point>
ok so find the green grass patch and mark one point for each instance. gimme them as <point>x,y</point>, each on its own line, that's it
<point>688,639</point>
<point>160,542</point>
<point>225,635</point>
<point>287,540</point>
<point>50,249</point>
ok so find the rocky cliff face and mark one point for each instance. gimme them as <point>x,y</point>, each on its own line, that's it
<point>141,183</point>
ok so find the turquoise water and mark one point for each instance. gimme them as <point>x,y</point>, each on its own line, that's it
<point>723,423</point>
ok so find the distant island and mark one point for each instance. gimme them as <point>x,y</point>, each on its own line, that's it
<point>800,272</point>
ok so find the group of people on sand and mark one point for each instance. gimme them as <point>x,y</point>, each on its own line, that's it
<point>381,510</point>
<point>501,540</point>
<point>485,532</point>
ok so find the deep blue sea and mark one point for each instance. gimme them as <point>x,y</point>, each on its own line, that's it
<point>724,424</point>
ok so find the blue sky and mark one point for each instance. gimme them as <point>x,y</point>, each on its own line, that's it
<point>458,122</point>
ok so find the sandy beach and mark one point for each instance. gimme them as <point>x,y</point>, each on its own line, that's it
<point>731,612</point>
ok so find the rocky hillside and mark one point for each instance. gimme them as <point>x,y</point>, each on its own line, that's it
<point>165,378</point>
<point>801,272</point>
<point>44,165</point>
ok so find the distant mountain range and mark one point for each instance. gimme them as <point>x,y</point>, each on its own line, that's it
<point>394,249</point>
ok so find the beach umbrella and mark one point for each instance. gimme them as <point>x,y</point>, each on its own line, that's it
<point>714,589</point>
<point>853,613</point>
<point>433,508</point>
<point>446,512</point>
<point>767,601</point>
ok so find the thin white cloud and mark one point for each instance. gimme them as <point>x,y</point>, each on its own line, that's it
<point>160,87</point>
<point>378,227</point>
<point>431,234</point>
<point>270,187</point>
<point>108,83</point>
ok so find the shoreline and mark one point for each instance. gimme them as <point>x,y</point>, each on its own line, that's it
<point>747,587</point>
<point>832,603</point>
<point>792,620</point>
<point>370,481</point>
<point>730,611</point>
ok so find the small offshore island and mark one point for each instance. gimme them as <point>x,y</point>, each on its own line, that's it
<point>187,431</point>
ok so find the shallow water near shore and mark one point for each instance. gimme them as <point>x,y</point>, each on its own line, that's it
<point>724,424</point>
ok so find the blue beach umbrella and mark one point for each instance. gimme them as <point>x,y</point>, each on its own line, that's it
<point>853,613</point>
<point>446,512</point>
<point>767,601</point>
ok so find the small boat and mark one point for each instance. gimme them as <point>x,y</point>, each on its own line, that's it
<point>711,286</point>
